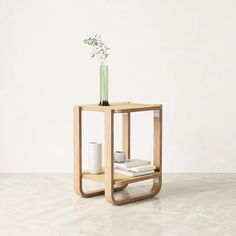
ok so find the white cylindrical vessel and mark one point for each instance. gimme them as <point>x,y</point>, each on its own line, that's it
<point>95,158</point>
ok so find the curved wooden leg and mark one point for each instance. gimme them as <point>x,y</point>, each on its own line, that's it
<point>78,176</point>
<point>79,190</point>
<point>77,140</point>
<point>109,168</point>
<point>155,189</point>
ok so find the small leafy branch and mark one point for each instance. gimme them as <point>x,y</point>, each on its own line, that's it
<point>100,50</point>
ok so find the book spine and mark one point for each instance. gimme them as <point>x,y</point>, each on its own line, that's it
<point>129,173</point>
<point>143,173</point>
<point>123,172</point>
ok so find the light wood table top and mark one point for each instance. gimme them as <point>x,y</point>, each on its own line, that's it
<point>121,107</point>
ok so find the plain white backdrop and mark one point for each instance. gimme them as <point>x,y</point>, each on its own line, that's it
<point>178,53</point>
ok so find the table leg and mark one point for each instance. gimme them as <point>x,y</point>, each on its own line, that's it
<point>126,134</point>
<point>157,143</point>
<point>109,176</point>
<point>77,140</point>
<point>109,142</point>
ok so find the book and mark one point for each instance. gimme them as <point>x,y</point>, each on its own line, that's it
<point>130,173</point>
<point>137,168</point>
<point>132,163</point>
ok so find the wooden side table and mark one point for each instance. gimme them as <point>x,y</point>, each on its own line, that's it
<point>115,182</point>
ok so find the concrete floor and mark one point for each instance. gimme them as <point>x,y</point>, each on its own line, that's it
<point>189,205</point>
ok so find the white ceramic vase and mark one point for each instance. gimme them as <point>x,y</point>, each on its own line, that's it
<point>119,156</point>
<point>95,158</point>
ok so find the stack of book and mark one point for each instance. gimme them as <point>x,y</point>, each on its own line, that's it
<point>134,167</point>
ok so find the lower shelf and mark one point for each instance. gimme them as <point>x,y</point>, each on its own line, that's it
<point>120,179</point>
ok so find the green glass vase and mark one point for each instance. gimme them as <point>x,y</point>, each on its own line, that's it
<point>104,85</point>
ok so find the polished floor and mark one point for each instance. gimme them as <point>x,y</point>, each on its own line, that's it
<point>188,205</point>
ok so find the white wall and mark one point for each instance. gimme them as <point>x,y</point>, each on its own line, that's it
<point>179,53</point>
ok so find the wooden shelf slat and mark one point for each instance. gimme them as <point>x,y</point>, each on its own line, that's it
<point>120,179</point>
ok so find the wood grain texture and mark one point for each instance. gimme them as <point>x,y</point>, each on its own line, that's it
<point>157,139</point>
<point>109,142</point>
<point>126,134</point>
<point>77,141</point>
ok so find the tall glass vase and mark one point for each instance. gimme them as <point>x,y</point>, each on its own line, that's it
<point>104,85</point>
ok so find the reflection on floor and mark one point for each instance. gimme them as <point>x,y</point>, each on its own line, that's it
<point>189,204</point>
